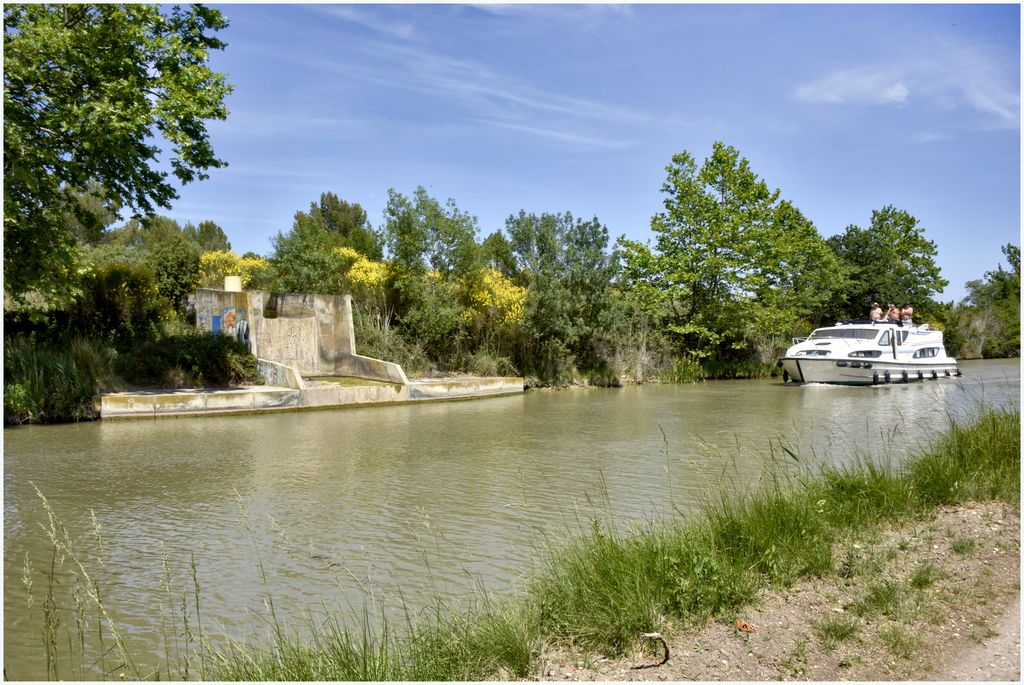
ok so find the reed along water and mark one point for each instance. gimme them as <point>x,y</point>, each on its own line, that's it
<point>388,509</point>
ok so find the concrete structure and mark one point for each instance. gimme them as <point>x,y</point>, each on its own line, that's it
<point>296,340</point>
<point>310,333</point>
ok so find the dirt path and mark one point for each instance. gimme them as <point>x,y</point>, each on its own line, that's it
<point>930,600</point>
<point>997,658</point>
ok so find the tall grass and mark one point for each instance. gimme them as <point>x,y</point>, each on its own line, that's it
<point>684,370</point>
<point>601,590</point>
<point>604,587</point>
<point>971,461</point>
<point>53,383</point>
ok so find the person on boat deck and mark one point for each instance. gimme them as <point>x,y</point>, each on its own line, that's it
<point>894,315</point>
<point>876,312</point>
<point>907,315</point>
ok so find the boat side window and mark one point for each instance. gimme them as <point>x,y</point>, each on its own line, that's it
<point>927,352</point>
<point>884,340</point>
<point>903,336</point>
<point>850,333</point>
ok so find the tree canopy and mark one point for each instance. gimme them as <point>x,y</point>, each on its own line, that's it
<point>346,224</point>
<point>422,232</point>
<point>728,251</point>
<point>990,314</point>
<point>565,265</point>
<point>208,236</point>
<point>891,260</point>
<point>91,95</point>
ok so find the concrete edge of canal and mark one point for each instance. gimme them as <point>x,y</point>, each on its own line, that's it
<point>141,404</point>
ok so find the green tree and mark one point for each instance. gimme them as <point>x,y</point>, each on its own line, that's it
<point>173,258</point>
<point>496,252</point>
<point>120,304</point>
<point>208,236</point>
<point>435,248</point>
<point>734,271</point>
<point>422,232</point>
<point>890,261</point>
<point>565,265</point>
<point>124,244</point>
<point>90,213</point>
<point>989,317</point>
<point>303,260</point>
<point>346,225</point>
<point>793,278</point>
<point>537,243</point>
<point>91,94</point>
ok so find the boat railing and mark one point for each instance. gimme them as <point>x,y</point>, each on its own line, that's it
<point>797,341</point>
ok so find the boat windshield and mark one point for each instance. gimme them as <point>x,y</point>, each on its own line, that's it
<point>848,333</point>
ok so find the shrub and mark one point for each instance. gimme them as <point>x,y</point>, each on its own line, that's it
<point>119,304</point>
<point>484,363</point>
<point>388,344</point>
<point>190,359</point>
<point>52,384</point>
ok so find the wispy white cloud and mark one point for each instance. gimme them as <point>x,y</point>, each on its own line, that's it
<point>570,12</point>
<point>985,84</point>
<point>923,137</point>
<point>562,136</point>
<point>866,86</point>
<point>399,58</point>
<point>371,20</point>
<point>947,75</point>
<point>478,87</point>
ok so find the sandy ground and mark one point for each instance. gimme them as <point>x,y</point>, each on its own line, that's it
<point>955,616</point>
<point>997,658</point>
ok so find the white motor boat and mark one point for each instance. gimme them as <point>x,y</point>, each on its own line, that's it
<point>868,353</point>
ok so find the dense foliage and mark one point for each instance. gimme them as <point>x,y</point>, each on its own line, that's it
<point>889,261</point>
<point>190,359</point>
<point>90,94</point>
<point>128,320</point>
<point>987,322</point>
<point>734,269</point>
<point>733,272</point>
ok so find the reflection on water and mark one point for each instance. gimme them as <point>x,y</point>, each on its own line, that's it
<point>350,508</point>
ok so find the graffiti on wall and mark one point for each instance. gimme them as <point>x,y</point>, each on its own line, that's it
<point>231,321</point>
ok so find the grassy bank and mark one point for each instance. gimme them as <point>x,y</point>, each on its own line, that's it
<point>58,381</point>
<point>599,591</point>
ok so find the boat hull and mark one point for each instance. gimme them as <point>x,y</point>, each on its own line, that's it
<point>871,372</point>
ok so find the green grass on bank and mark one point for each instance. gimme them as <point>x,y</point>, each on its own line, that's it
<point>599,591</point>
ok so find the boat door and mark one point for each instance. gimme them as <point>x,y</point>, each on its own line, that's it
<point>893,339</point>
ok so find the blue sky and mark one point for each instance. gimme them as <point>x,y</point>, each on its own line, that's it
<point>553,108</point>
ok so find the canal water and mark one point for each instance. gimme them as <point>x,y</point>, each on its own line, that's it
<point>388,509</point>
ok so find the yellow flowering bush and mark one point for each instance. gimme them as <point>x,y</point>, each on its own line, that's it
<point>498,298</point>
<point>363,273</point>
<point>215,265</point>
<point>347,256</point>
<point>368,274</point>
